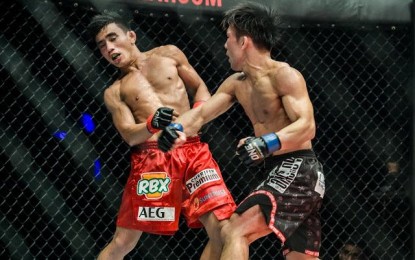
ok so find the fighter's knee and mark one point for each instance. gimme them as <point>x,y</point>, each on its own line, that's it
<point>124,244</point>
<point>222,224</point>
<point>228,231</point>
<point>223,233</point>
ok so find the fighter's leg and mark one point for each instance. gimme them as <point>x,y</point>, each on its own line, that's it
<point>240,231</point>
<point>122,243</point>
<point>212,225</point>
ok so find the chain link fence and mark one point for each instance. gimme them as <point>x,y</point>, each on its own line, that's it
<point>64,165</point>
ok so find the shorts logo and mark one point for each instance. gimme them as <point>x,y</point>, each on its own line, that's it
<point>281,177</point>
<point>201,178</point>
<point>153,185</point>
<point>155,214</point>
<point>215,193</point>
<point>320,184</point>
<point>254,153</point>
<point>210,196</point>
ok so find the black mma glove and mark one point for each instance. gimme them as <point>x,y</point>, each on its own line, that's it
<point>168,136</point>
<point>255,149</point>
<point>160,119</point>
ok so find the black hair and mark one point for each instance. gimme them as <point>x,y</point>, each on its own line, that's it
<point>256,21</point>
<point>99,21</point>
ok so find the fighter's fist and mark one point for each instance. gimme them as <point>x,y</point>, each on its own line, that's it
<point>255,149</point>
<point>160,119</point>
<point>168,137</point>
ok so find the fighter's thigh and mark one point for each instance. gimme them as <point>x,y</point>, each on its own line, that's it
<point>250,224</point>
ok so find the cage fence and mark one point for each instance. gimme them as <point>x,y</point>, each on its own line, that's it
<point>64,165</point>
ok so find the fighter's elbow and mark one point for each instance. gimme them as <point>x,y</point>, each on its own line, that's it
<point>128,140</point>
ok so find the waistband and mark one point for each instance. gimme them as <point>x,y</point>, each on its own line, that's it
<point>270,161</point>
<point>153,144</point>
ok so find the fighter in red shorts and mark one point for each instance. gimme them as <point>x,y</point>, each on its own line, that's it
<point>150,93</point>
<point>161,186</point>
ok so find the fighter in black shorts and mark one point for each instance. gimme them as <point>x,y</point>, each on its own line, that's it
<point>290,199</point>
<point>275,98</point>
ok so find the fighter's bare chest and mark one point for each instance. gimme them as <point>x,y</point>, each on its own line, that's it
<point>256,101</point>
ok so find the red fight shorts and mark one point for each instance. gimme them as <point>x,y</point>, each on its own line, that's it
<point>161,186</point>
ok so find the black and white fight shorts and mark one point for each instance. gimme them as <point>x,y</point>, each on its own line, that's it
<point>290,199</point>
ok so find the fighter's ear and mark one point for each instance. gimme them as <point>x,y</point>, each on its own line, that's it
<point>244,41</point>
<point>132,36</point>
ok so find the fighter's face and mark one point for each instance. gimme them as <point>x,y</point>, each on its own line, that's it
<point>116,45</point>
<point>233,47</point>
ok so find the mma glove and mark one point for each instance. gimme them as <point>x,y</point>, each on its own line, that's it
<point>168,136</point>
<point>160,119</point>
<point>255,149</point>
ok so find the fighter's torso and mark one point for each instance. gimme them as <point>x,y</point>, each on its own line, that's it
<point>151,83</point>
<point>261,101</point>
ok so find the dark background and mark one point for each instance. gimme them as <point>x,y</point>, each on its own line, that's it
<point>62,182</point>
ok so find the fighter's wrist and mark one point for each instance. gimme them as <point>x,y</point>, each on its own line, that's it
<point>178,126</point>
<point>198,103</point>
<point>272,141</point>
<point>149,126</point>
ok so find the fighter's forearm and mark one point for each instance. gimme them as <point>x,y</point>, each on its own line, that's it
<point>134,134</point>
<point>297,133</point>
<point>192,121</point>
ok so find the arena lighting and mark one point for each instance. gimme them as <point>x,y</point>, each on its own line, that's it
<point>76,143</point>
<point>14,241</point>
<point>97,169</point>
<point>60,134</point>
<point>72,49</point>
<point>53,204</point>
<point>87,122</point>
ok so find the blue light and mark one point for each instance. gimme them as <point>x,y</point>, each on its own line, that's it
<point>97,169</point>
<point>88,122</point>
<point>60,135</point>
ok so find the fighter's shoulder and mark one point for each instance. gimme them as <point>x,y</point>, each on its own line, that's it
<point>112,93</point>
<point>280,67</point>
<point>283,72</point>
<point>232,82</point>
<point>168,50</point>
<point>114,86</point>
<point>236,78</point>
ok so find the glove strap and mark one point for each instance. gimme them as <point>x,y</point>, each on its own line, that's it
<point>150,128</point>
<point>198,103</point>
<point>272,141</point>
<point>177,126</point>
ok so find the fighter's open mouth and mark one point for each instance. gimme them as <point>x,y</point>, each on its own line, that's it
<point>115,55</point>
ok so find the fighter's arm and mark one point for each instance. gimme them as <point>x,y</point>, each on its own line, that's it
<point>132,132</point>
<point>297,104</point>
<point>191,121</point>
<point>123,119</point>
<point>291,88</point>
<point>195,85</point>
<point>218,104</point>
